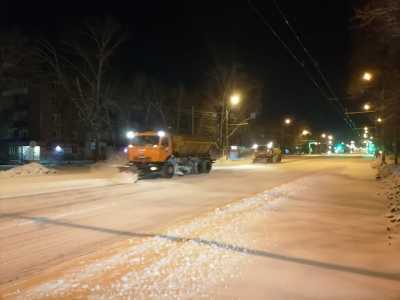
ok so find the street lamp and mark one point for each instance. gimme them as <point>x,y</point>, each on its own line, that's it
<point>367,107</point>
<point>323,135</point>
<point>305,132</point>
<point>288,121</point>
<point>235,99</point>
<point>379,120</point>
<point>367,76</point>
<point>330,137</point>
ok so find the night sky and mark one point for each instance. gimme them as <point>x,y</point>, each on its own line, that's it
<point>177,41</point>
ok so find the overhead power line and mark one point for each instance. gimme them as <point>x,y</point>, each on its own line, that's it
<point>339,107</point>
<point>314,62</point>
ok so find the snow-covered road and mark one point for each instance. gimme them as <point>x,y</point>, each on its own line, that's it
<point>304,229</point>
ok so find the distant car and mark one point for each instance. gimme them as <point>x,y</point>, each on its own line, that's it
<point>267,155</point>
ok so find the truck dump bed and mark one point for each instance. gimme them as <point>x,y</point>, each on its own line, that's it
<point>185,145</point>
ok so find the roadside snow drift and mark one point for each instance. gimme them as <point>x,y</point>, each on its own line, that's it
<point>392,189</point>
<point>31,169</point>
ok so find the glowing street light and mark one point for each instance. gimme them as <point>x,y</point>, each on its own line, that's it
<point>367,76</point>
<point>288,121</point>
<point>379,120</point>
<point>235,99</point>
<point>366,129</point>
<point>58,149</point>
<point>365,135</point>
<point>330,137</point>
<point>323,135</point>
<point>367,106</point>
<point>305,132</point>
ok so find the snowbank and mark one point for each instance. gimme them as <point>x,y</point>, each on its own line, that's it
<point>392,192</point>
<point>31,169</point>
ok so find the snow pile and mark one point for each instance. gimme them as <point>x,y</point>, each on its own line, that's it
<point>183,262</point>
<point>386,170</point>
<point>393,195</point>
<point>30,169</point>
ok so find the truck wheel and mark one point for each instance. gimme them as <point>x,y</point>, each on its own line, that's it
<point>205,166</point>
<point>167,171</point>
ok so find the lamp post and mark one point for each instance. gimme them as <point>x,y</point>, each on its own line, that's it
<point>286,123</point>
<point>234,100</point>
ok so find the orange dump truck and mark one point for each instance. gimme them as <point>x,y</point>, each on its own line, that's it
<point>166,154</point>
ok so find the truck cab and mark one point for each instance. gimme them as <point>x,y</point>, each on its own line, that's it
<point>150,147</point>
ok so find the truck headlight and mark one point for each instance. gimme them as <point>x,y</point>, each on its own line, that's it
<point>130,134</point>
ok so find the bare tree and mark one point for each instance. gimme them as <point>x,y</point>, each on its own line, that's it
<point>381,20</point>
<point>382,16</point>
<point>83,69</point>
<point>223,81</point>
<point>150,97</point>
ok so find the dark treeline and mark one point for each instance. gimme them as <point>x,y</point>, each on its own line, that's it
<point>377,50</point>
<point>85,68</point>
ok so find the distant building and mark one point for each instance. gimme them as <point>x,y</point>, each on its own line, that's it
<point>34,121</point>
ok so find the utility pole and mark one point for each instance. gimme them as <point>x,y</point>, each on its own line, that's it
<point>193,121</point>
<point>221,128</point>
<point>227,131</point>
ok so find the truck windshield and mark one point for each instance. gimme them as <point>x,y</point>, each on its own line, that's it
<point>143,140</point>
